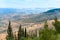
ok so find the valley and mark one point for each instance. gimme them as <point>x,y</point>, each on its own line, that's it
<point>31,19</point>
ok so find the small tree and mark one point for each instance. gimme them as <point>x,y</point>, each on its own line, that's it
<point>9,32</point>
<point>57,25</point>
<point>25,34</point>
<point>20,33</point>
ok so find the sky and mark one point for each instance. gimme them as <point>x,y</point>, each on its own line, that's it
<point>29,3</point>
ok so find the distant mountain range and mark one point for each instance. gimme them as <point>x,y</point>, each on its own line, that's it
<point>48,15</point>
<point>32,15</point>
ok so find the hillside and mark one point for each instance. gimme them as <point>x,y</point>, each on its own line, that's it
<point>33,21</point>
<point>30,29</point>
<point>25,17</point>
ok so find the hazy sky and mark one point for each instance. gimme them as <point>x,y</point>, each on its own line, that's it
<point>29,3</point>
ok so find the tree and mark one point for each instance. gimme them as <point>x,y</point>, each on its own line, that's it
<point>57,25</point>
<point>25,34</point>
<point>44,33</point>
<point>9,32</point>
<point>47,34</point>
<point>20,33</point>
